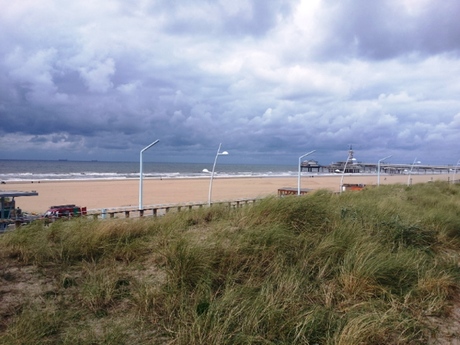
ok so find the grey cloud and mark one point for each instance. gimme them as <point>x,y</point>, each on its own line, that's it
<point>98,77</point>
<point>386,29</point>
<point>103,83</point>
<point>229,18</point>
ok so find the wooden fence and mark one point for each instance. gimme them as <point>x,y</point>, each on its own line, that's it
<point>158,210</point>
<point>128,212</point>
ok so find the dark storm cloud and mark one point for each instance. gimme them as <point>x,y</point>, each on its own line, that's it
<point>387,29</point>
<point>268,79</point>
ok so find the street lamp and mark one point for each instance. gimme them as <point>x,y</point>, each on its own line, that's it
<point>141,174</point>
<point>344,169</point>
<point>410,172</point>
<point>378,169</point>
<point>224,153</point>
<point>300,162</point>
<point>455,171</point>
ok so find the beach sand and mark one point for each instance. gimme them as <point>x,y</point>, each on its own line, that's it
<point>98,194</point>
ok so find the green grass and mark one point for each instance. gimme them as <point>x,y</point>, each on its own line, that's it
<point>370,267</point>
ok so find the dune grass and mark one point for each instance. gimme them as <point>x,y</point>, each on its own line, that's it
<point>370,267</point>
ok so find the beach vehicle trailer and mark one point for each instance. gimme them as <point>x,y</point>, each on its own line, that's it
<point>9,213</point>
<point>64,211</point>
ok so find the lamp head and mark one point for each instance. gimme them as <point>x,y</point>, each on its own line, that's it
<point>223,153</point>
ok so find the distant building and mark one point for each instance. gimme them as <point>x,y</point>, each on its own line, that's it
<point>350,166</point>
<point>310,165</point>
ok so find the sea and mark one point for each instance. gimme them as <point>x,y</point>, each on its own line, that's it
<point>42,170</point>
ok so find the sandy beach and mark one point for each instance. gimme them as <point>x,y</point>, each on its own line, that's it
<point>97,194</point>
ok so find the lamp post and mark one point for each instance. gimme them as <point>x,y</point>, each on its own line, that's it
<point>378,168</point>
<point>300,162</point>
<point>212,172</point>
<point>141,174</point>
<point>455,171</point>
<point>410,172</point>
<point>344,169</point>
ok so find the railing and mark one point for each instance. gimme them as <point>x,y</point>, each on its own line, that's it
<point>159,210</point>
<point>18,221</point>
<point>128,212</point>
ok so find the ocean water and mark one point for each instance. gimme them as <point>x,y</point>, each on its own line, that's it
<point>36,170</point>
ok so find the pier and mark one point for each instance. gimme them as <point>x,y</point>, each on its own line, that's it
<point>361,168</point>
<point>351,166</point>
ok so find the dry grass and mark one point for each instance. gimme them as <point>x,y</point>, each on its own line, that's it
<point>373,267</point>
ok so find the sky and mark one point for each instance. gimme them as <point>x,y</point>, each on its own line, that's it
<point>270,80</point>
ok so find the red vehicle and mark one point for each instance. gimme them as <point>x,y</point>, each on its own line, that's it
<point>66,211</point>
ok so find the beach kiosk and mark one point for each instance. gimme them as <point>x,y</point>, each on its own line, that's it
<point>9,213</point>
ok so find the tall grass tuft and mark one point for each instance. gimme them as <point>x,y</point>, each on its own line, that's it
<point>76,240</point>
<point>101,288</point>
<point>34,324</point>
